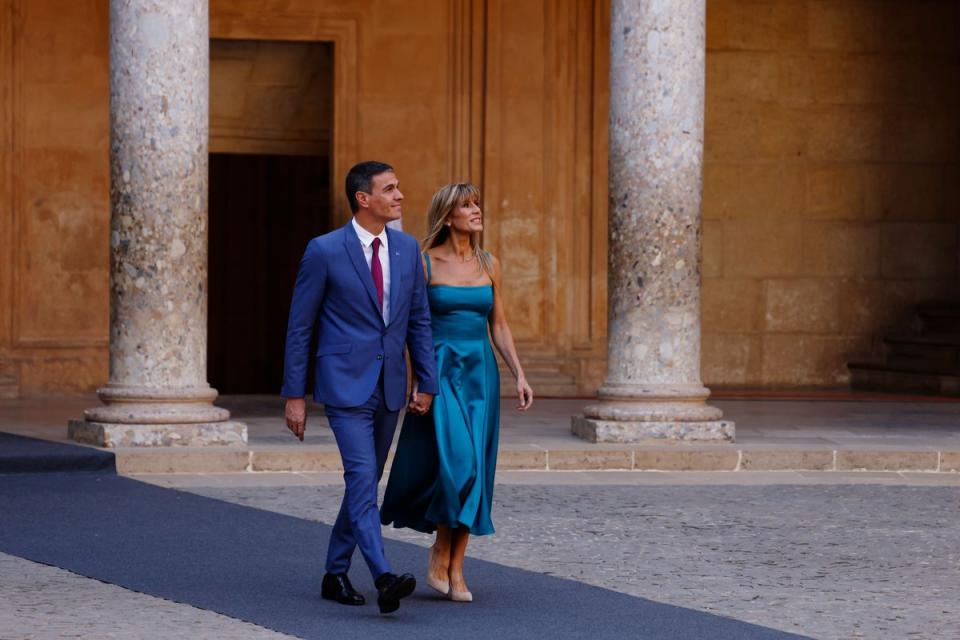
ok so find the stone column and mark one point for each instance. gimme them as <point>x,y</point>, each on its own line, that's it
<point>653,388</point>
<point>159,101</point>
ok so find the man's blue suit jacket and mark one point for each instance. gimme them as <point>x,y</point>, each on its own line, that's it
<point>335,293</point>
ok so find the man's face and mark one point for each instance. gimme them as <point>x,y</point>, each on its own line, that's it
<point>383,201</point>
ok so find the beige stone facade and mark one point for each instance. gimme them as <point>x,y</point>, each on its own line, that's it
<point>831,173</point>
<point>830,181</point>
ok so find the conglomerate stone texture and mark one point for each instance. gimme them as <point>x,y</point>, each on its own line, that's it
<point>159,105</point>
<point>656,150</point>
<point>836,561</point>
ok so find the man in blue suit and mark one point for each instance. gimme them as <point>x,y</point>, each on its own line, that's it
<point>362,289</point>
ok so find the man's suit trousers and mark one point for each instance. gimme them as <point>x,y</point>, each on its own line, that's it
<point>364,435</point>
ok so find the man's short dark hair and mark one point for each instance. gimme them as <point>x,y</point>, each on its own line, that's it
<point>360,178</point>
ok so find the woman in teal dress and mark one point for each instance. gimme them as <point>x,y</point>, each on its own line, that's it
<point>442,474</point>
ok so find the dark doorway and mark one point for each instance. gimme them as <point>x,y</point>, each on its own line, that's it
<point>263,211</point>
<point>271,126</point>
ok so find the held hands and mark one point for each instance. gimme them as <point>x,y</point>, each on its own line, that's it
<point>525,394</point>
<point>296,415</point>
<point>419,402</point>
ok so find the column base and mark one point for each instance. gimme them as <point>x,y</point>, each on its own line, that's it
<point>636,431</point>
<point>102,434</point>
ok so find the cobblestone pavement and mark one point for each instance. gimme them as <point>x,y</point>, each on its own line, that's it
<point>833,561</point>
<point>38,602</point>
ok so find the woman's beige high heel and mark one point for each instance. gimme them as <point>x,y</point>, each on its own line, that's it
<point>438,585</point>
<point>460,596</point>
<point>441,586</point>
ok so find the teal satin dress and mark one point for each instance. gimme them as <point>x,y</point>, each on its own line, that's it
<point>444,466</point>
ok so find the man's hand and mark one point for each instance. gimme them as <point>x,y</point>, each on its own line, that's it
<point>420,403</point>
<point>296,415</point>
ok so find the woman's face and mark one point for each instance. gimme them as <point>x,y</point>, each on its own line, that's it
<point>466,217</point>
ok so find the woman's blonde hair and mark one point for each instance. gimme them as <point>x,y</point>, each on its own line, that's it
<point>444,201</point>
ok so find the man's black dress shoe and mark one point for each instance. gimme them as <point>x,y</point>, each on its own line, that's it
<point>391,587</point>
<point>336,586</point>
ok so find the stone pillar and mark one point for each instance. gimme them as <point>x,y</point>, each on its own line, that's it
<point>653,388</point>
<point>159,101</point>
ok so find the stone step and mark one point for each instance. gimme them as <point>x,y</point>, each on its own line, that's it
<point>935,353</point>
<point>309,459</point>
<point>9,381</point>
<point>871,376</point>
<point>927,339</point>
<point>939,316</point>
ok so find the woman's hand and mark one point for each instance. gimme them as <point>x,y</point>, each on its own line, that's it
<point>525,393</point>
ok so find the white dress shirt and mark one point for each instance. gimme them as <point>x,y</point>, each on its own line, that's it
<point>366,241</point>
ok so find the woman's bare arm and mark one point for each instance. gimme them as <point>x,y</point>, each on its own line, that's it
<point>503,340</point>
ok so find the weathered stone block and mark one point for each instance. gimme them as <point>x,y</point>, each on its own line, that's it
<point>950,461</point>
<point>841,249</point>
<point>184,460</point>
<point>786,460</point>
<point>802,305</point>
<point>63,374</point>
<point>905,192</point>
<point>887,460</point>
<point>856,25</point>
<point>228,433</point>
<point>560,460</point>
<point>756,24</point>
<point>755,190</point>
<point>795,79</point>
<point>738,132</point>
<point>921,134</point>
<point>869,306</point>
<point>834,192</point>
<point>742,76</point>
<point>731,358</point>
<point>514,459</point>
<point>847,134</point>
<point>731,304</point>
<point>720,184</point>
<point>629,432</point>
<point>683,458</point>
<point>839,78</point>
<point>762,248</point>
<point>801,359</point>
<point>299,459</point>
<point>919,250</point>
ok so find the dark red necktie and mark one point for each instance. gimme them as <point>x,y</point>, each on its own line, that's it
<point>377,271</point>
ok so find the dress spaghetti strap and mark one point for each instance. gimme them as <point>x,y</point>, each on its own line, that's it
<point>426,257</point>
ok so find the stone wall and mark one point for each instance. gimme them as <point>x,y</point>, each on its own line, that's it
<point>830,203</point>
<point>831,180</point>
<point>54,193</point>
<point>423,85</point>
<point>271,97</point>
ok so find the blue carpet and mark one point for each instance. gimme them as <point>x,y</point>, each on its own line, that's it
<point>265,568</point>
<point>19,454</point>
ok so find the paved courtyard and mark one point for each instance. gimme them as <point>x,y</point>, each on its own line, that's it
<point>821,554</point>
